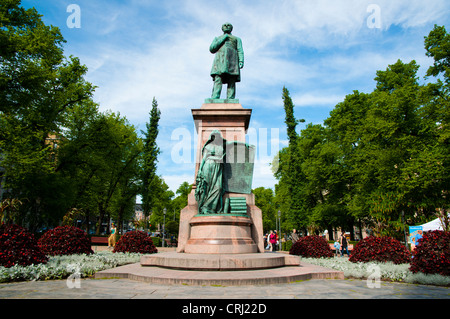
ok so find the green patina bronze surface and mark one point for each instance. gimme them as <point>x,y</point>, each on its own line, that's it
<point>228,60</point>
<point>221,101</point>
<point>225,167</point>
<point>209,191</point>
<point>238,168</point>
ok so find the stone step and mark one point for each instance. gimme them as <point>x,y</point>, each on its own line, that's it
<point>219,262</point>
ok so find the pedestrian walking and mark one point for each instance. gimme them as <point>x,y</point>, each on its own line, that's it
<point>337,247</point>
<point>112,237</point>
<point>344,244</point>
<point>273,241</point>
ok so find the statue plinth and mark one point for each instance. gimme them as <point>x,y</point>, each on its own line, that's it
<point>220,234</point>
<point>227,232</point>
<point>231,119</point>
<point>197,232</point>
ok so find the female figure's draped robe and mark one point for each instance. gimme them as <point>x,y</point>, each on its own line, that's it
<point>209,180</point>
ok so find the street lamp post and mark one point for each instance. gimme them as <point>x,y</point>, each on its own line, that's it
<point>164,227</point>
<point>404,228</point>
<point>279,232</point>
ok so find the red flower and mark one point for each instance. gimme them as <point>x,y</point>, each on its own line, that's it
<point>432,255</point>
<point>311,246</point>
<point>18,246</point>
<point>380,249</point>
<point>65,240</point>
<point>135,242</point>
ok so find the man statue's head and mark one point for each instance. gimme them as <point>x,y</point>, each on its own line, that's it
<point>227,28</point>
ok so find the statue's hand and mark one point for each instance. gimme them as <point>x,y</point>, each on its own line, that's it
<point>241,65</point>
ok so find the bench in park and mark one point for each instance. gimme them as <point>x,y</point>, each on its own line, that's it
<point>169,243</point>
<point>95,240</point>
<point>350,247</point>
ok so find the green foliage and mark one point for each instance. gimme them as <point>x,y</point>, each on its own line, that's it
<point>181,201</point>
<point>289,170</point>
<point>264,199</point>
<point>286,245</point>
<point>38,87</point>
<point>150,157</point>
<point>100,155</point>
<point>290,120</point>
<point>157,241</point>
<point>437,45</point>
<point>376,155</point>
<point>161,199</point>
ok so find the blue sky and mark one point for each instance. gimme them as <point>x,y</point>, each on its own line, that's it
<point>320,50</point>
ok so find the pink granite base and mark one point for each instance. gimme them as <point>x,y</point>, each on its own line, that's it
<point>161,275</point>
<point>221,234</point>
<point>219,262</point>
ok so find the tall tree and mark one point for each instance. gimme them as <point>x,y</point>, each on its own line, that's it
<point>150,158</point>
<point>38,86</point>
<point>265,200</point>
<point>380,156</point>
<point>181,200</point>
<point>292,177</point>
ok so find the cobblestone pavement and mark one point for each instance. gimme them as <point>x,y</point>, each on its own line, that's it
<point>129,289</point>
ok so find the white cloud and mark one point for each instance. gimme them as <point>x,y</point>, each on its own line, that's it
<point>317,99</point>
<point>321,50</point>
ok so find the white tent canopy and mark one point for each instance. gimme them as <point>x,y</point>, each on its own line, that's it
<point>433,225</point>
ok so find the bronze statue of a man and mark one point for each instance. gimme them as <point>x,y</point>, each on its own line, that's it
<point>228,61</point>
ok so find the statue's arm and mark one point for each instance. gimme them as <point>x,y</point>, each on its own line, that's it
<point>217,43</point>
<point>240,51</point>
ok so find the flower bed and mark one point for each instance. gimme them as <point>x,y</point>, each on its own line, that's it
<point>380,249</point>
<point>311,246</point>
<point>19,247</point>
<point>60,267</point>
<point>432,255</point>
<point>136,242</point>
<point>388,271</point>
<point>65,240</point>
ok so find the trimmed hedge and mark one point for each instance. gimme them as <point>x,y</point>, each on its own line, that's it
<point>380,249</point>
<point>135,242</point>
<point>311,246</point>
<point>65,240</point>
<point>19,247</point>
<point>432,254</point>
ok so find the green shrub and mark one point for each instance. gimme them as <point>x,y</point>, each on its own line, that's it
<point>157,241</point>
<point>287,245</point>
<point>65,240</point>
<point>432,254</point>
<point>19,247</point>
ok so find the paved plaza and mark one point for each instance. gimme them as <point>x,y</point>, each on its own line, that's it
<point>129,289</point>
<point>119,288</point>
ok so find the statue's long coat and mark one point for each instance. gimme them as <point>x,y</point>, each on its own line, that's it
<point>229,53</point>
